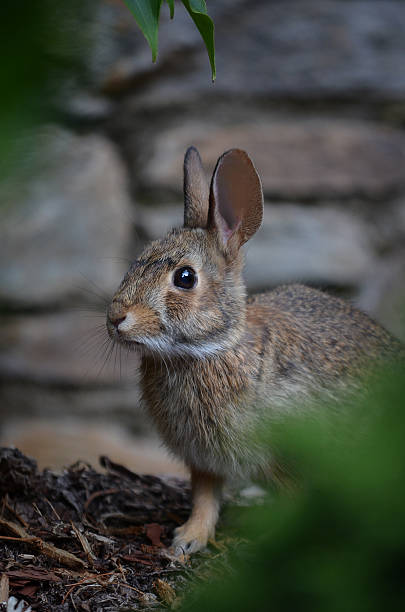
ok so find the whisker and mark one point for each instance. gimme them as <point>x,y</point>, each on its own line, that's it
<point>128,351</point>
<point>115,356</point>
<point>99,291</point>
<point>93,346</point>
<point>107,357</point>
<point>91,316</point>
<point>93,294</point>
<point>94,309</point>
<point>96,333</point>
<point>124,259</point>
<point>101,352</point>
<point>100,346</point>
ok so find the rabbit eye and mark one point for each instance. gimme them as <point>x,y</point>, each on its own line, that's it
<point>185,278</point>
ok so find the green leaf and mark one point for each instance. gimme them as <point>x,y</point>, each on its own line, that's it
<point>171,5</point>
<point>205,25</point>
<point>146,13</point>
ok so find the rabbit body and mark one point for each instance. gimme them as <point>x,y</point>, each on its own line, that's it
<point>215,364</point>
<point>297,343</point>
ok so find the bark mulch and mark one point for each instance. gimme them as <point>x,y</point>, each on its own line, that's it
<point>87,541</point>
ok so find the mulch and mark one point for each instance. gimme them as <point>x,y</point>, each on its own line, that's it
<point>85,540</point>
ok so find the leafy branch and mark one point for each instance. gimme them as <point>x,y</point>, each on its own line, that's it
<point>147,13</point>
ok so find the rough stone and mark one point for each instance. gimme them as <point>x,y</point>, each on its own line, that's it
<point>21,399</point>
<point>120,57</point>
<point>383,293</point>
<point>60,441</point>
<point>297,158</point>
<point>392,226</point>
<point>299,48</point>
<point>320,245</point>
<point>155,221</point>
<point>323,246</point>
<point>312,47</point>
<point>68,224</point>
<point>65,348</point>
<point>297,80</point>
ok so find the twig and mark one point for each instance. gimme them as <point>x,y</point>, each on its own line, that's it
<point>96,494</point>
<point>73,602</point>
<point>37,509</point>
<point>121,569</point>
<point>85,544</point>
<point>24,540</point>
<point>51,551</point>
<point>88,578</point>
<point>125,584</point>
<point>72,588</point>
<point>53,509</point>
<point>13,511</point>
<point>14,528</point>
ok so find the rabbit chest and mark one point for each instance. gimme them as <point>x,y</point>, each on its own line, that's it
<point>203,409</point>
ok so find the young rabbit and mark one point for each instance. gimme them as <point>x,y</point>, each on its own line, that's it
<point>214,362</point>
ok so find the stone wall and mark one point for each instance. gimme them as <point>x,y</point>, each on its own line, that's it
<point>314,91</point>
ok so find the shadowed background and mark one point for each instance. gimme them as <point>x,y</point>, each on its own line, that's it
<point>315,92</point>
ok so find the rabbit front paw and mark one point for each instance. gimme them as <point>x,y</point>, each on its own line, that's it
<point>191,537</point>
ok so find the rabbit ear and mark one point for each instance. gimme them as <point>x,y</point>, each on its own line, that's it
<point>196,192</point>
<point>236,199</point>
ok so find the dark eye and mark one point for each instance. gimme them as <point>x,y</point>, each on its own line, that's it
<point>185,278</point>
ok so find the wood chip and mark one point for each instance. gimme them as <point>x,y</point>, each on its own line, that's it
<point>154,532</point>
<point>129,517</point>
<point>33,573</point>
<point>4,589</point>
<point>56,554</point>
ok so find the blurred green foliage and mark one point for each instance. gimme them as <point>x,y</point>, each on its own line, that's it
<point>337,542</point>
<point>147,13</point>
<point>42,42</point>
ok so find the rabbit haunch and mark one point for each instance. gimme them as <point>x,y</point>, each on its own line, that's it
<point>216,365</point>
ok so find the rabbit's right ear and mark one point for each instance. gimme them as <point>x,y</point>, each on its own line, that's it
<point>196,191</point>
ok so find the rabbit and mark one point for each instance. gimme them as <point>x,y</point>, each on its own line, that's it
<point>214,362</point>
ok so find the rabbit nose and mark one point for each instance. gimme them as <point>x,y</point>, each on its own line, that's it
<point>117,320</point>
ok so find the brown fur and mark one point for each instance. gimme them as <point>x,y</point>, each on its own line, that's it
<point>216,365</point>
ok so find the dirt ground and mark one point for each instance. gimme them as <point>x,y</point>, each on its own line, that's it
<point>85,540</point>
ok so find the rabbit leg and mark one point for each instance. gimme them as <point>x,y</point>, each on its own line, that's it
<point>194,534</point>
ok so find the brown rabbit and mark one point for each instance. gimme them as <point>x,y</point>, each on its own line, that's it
<point>214,363</point>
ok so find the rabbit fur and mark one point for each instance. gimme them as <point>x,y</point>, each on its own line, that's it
<point>214,363</point>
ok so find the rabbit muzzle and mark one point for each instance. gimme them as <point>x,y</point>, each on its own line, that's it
<point>132,324</point>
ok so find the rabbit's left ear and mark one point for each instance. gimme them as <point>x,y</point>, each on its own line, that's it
<point>236,200</point>
<point>196,192</point>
